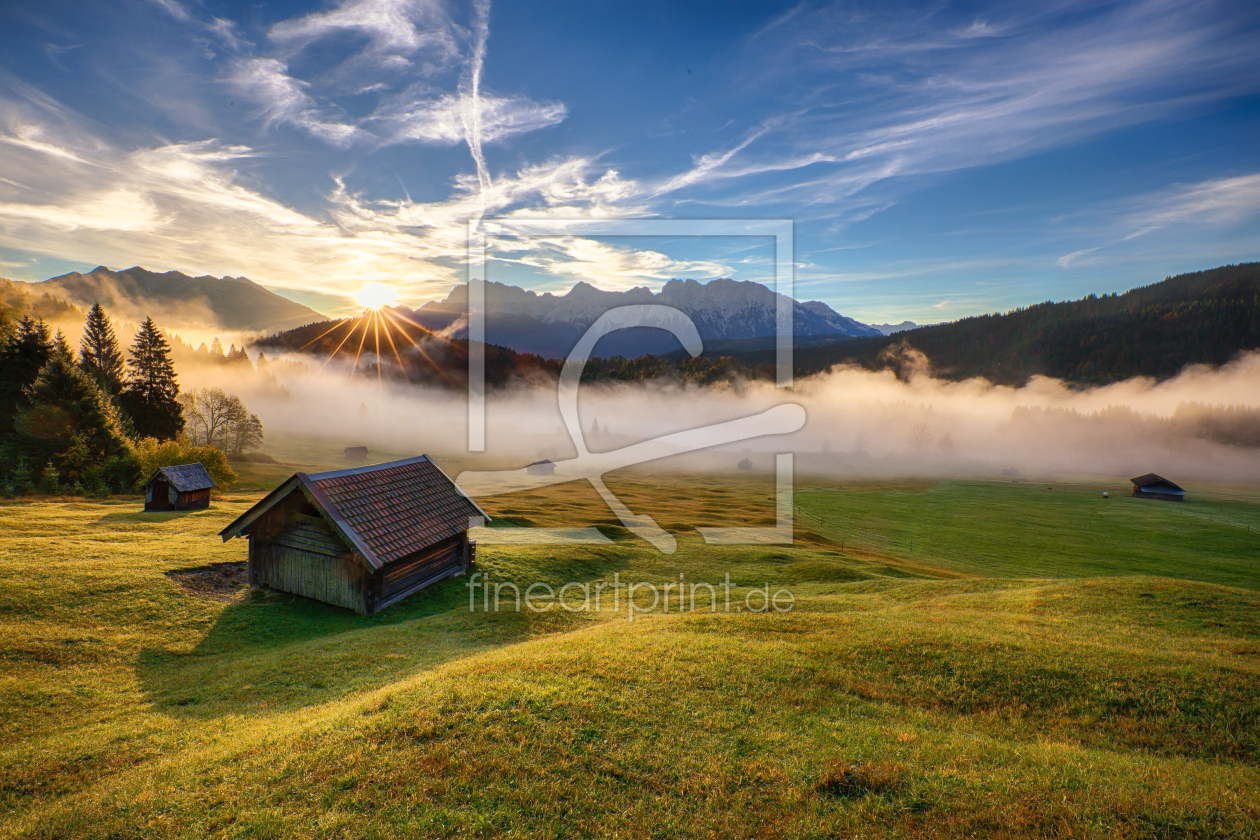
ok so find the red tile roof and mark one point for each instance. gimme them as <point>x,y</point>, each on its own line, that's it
<point>387,511</point>
<point>399,507</point>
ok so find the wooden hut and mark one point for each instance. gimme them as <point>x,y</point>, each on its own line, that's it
<point>358,454</point>
<point>182,487</point>
<point>745,464</point>
<point>543,467</point>
<point>362,538</point>
<point>1152,486</point>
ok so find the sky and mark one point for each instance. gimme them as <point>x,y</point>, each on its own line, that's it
<point>937,160</point>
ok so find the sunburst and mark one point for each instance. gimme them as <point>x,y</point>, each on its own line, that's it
<point>377,320</point>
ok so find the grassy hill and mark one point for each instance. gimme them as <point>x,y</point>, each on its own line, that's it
<point>1037,663</point>
<point>1207,317</point>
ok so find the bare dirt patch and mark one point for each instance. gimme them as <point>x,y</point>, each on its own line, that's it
<point>218,581</point>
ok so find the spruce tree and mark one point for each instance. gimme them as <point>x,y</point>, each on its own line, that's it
<point>101,358</point>
<point>73,424</point>
<point>62,346</point>
<point>151,394</point>
<point>24,353</point>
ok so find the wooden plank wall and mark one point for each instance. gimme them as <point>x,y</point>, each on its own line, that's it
<point>410,574</point>
<point>333,580</point>
<point>294,552</point>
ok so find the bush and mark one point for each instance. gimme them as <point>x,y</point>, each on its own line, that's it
<point>152,453</point>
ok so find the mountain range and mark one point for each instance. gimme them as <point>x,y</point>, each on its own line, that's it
<point>177,301</point>
<point>889,329</point>
<point>549,325</point>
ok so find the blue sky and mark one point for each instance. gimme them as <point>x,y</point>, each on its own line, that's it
<point>938,159</point>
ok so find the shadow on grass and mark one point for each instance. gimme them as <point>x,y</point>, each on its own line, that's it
<point>142,515</point>
<point>274,652</point>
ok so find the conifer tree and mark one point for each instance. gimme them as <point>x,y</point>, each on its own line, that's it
<point>73,424</point>
<point>151,394</point>
<point>24,353</point>
<point>101,358</point>
<point>62,346</point>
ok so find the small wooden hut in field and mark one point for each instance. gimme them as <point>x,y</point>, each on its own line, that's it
<point>357,454</point>
<point>1152,486</point>
<point>182,487</point>
<point>362,538</point>
<point>543,467</point>
<point>744,465</point>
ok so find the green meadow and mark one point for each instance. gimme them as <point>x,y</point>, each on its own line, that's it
<point>963,658</point>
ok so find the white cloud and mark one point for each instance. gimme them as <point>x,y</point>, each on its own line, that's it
<point>283,99</point>
<point>1066,260</point>
<point>111,210</point>
<point>606,266</point>
<point>394,29</point>
<point>880,96</point>
<point>1216,203</point>
<point>173,8</point>
<point>443,121</point>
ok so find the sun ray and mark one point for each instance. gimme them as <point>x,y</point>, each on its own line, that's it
<point>390,337</point>
<point>376,333</point>
<point>403,319</point>
<point>437,367</point>
<point>321,335</point>
<point>329,359</point>
<point>367,313</point>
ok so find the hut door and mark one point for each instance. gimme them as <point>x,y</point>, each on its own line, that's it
<point>161,495</point>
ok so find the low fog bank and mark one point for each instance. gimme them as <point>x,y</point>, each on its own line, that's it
<point>858,422</point>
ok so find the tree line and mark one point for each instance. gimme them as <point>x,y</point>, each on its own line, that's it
<point>100,422</point>
<point>1207,317</point>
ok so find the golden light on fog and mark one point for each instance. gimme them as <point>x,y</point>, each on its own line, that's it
<point>376,295</point>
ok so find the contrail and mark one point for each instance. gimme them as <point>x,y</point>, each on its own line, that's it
<point>472,98</point>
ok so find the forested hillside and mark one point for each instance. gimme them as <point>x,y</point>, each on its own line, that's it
<point>407,352</point>
<point>1207,317</point>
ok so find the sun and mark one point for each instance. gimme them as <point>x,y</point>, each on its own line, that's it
<point>376,295</point>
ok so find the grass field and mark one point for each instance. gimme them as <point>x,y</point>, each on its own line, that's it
<point>963,659</point>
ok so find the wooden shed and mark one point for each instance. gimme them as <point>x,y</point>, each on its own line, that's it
<point>543,467</point>
<point>358,454</point>
<point>181,487</point>
<point>362,538</point>
<point>1152,486</point>
<point>745,464</point>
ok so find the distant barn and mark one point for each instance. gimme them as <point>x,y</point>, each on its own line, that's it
<point>1152,486</point>
<point>356,453</point>
<point>361,538</point>
<point>744,465</point>
<point>543,467</point>
<point>182,487</point>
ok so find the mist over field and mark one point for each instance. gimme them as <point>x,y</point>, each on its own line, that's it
<point>858,422</point>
